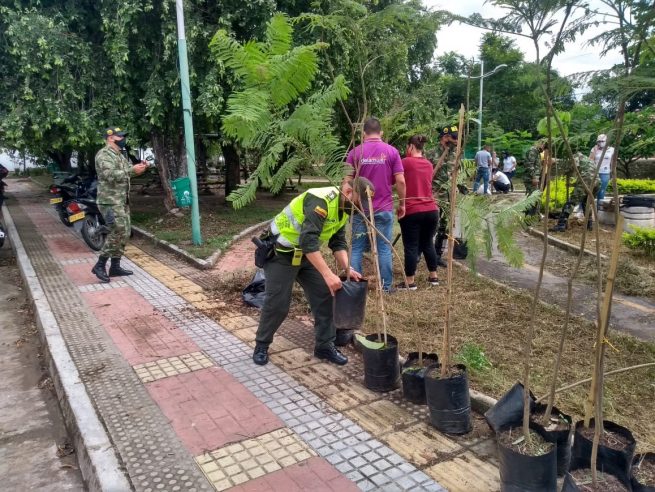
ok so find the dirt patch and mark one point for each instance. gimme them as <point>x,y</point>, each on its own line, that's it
<point>630,280</point>
<point>608,438</point>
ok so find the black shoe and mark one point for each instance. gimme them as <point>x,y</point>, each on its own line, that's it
<point>331,354</point>
<point>402,286</point>
<point>99,269</point>
<point>558,228</point>
<point>116,270</point>
<point>260,355</point>
<point>590,225</point>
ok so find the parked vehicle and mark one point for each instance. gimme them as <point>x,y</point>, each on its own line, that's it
<point>94,230</point>
<point>70,189</point>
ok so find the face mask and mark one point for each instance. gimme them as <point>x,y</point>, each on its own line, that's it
<point>121,143</point>
<point>601,144</point>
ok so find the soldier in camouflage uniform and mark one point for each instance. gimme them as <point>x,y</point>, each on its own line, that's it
<point>579,196</point>
<point>114,171</point>
<point>532,171</point>
<point>448,143</point>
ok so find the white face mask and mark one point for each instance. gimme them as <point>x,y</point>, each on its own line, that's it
<point>601,144</point>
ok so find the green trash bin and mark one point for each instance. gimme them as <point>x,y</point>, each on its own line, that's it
<point>182,189</point>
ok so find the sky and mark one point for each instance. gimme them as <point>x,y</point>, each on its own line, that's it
<point>465,40</point>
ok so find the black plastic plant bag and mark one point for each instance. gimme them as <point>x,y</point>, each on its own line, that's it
<point>509,409</point>
<point>413,377</point>
<point>255,292</point>
<point>449,401</point>
<point>349,305</point>
<point>612,461</point>
<point>520,473</point>
<point>381,366</point>
<point>636,485</point>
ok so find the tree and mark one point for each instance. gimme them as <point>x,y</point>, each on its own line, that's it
<point>275,110</point>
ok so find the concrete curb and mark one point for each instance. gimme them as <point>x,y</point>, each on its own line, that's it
<point>201,264</point>
<point>98,463</point>
<point>558,243</point>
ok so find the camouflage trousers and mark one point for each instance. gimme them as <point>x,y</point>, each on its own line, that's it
<point>578,196</point>
<point>117,219</point>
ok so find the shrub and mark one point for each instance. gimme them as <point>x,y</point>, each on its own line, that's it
<point>636,186</point>
<point>473,357</point>
<point>642,239</point>
<point>557,193</point>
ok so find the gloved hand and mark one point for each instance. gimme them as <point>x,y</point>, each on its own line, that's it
<point>110,217</point>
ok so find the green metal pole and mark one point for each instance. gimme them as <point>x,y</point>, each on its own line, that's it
<point>188,123</point>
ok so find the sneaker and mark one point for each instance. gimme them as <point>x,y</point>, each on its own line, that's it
<point>331,354</point>
<point>403,286</point>
<point>260,355</point>
<point>433,282</point>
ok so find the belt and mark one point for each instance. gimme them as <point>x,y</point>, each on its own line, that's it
<point>283,249</point>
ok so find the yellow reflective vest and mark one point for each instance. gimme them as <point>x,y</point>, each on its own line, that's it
<point>289,222</point>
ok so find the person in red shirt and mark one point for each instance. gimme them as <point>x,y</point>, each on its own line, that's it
<point>419,224</point>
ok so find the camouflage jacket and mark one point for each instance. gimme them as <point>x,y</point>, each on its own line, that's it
<point>532,164</point>
<point>587,168</point>
<point>114,171</point>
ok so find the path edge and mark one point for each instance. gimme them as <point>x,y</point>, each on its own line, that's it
<point>96,458</point>
<point>199,263</point>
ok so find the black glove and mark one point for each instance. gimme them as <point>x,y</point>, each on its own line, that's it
<point>110,217</point>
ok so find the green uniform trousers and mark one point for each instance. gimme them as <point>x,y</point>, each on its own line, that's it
<point>280,277</point>
<point>119,230</point>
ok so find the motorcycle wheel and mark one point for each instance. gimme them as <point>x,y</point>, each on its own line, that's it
<point>63,216</point>
<point>91,232</point>
<point>2,235</point>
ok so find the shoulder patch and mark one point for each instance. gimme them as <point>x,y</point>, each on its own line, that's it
<point>320,211</point>
<point>331,196</point>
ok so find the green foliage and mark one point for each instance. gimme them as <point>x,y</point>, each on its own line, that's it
<point>563,116</point>
<point>277,109</point>
<point>641,239</point>
<point>517,142</point>
<point>558,194</point>
<point>473,357</point>
<point>486,221</point>
<point>636,186</point>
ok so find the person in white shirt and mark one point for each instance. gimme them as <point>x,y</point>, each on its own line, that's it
<point>605,169</point>
<point>500,182</point>
<point>509,167</point>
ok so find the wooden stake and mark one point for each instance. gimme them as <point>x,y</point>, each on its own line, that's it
<point>445,348</point>
<point>373,238</point>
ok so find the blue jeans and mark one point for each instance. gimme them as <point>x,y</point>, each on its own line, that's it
<point>482,172</point>
<point>604,181</point>
<point>384,224</point>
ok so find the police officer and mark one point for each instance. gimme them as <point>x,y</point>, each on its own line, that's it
<point>448,142</point>
<point>316,216</point>
<point>579,195</point>
<point>114,171</point>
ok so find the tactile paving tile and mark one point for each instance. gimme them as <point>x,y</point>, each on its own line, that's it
<point>148,447</point>
<point>422,444</point>
<point>237,322</point>
<point>114,284</point>
<point>237,463</point>
<point>464,473</point>
<point>77,261</point>
<point>380,416</point>
<point>333,435</point>
<point>172,366</point>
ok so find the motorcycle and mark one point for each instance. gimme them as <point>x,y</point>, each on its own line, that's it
<point>68,190</point>
<point>94,229</point>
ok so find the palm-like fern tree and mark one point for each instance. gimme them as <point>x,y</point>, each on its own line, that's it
<point>278,110</point>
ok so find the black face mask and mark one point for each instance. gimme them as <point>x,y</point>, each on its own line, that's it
<point>121,143</point>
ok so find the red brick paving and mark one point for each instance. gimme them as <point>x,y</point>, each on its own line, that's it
<point>239,257</point>
<point>140,332</point>
<point>209,409</point>
<point>80,274</point>
<point>315,474</point>
<point>68,248</point>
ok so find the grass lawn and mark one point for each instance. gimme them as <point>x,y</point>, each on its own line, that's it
<point>218,222</point>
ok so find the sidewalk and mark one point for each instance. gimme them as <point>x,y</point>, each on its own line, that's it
<point>186,409</point>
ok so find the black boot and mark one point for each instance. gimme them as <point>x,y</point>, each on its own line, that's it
<point>331,354</point>
<point>99,269</point>
<point>590,225</point>
<point>115,270</point>
<point>562,223</point>
<point>260,355</point>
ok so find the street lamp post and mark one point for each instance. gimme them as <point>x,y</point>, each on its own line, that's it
<point>481,77</point>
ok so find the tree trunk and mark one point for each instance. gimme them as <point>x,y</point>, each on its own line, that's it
<point>165,160</point>
<point>62,159</point>
<point>232,168</point>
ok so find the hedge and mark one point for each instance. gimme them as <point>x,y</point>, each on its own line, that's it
<point>642,239</point>
<point>635,186</point>
<point>626,187</point>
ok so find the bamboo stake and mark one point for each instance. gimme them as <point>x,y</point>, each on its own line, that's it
<point>374,251</point>
<point>596,393</point>
<point>445,349</point>
<point>584,381</point>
